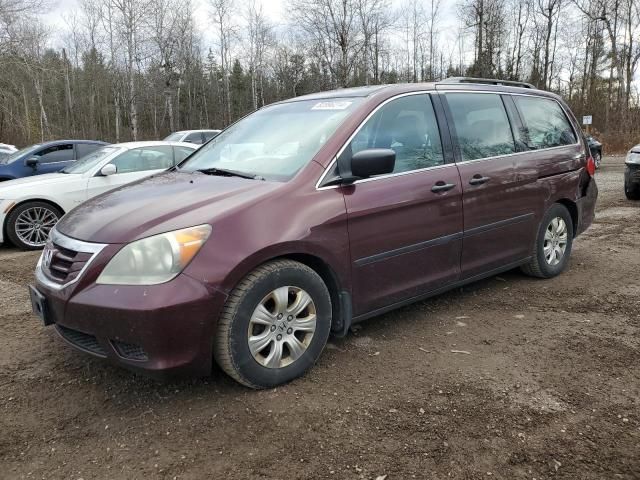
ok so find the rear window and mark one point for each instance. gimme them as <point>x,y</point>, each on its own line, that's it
<point>545,123</point>
<point>481,125</point>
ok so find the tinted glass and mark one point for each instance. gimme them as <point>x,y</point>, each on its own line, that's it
<point>58,153</point>
<point>194,138</point>
<point>546,124</point>
<point>274,142</point>
<point>83,149</point>
<point>146,158</point>
<point>407,126</point>
<point>481,125</point>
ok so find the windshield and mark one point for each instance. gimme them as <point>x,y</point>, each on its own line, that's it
<point>275,142</point>
<point>174,137</point>
<point>16,155</point>
<point>90,161</point>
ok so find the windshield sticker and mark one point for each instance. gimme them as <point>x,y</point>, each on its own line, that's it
<point>331,105</point>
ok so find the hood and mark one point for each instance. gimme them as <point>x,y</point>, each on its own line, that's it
<point>161,203</point>
<point>13,188</point>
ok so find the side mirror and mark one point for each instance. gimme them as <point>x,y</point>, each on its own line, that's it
<point>108,169</point>
<point>371,162</point>
<point>32,162</point>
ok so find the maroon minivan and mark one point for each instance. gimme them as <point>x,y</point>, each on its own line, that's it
<point>315,213</point>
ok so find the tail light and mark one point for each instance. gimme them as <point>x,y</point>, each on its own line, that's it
<point>591,166</point>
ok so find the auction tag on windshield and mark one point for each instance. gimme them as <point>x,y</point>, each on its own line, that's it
<point>342,105</point>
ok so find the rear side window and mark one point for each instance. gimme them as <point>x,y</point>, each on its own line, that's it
<point>408,126</point>
<point>545,123</point>
<point>195,137</point>
<point>83,149</point>
<point>209,135</point>
<point>481,125</point>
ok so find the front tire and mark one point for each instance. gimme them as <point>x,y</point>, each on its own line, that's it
<point>29,224</point>
<point>553,244</point>
<point>274,325</point>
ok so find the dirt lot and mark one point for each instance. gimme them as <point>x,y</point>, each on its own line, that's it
<point>550,387</point>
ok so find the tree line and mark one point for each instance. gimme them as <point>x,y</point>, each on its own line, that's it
<point>121,70</point>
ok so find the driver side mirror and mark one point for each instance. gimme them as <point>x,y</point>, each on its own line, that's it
<point>32,162</point>
<point>108,169</point>
<point>372,162</point>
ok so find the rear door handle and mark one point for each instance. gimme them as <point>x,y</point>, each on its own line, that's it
<point>442,187</point>
<point>478,180</point>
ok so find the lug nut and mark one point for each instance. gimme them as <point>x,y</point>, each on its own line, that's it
<point>273,328</point>
<point>290,317</point>
<point>279,316</point>
<point>279,337</point>
<point>290,331</point>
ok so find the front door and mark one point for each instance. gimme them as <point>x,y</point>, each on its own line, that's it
<point>499,222</point>
<point>405,228</point>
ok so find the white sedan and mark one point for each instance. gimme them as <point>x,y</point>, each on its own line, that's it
<point>31,206</point>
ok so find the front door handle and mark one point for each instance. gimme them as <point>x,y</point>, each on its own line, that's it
<point>478,180</point>
<point>442,187</point>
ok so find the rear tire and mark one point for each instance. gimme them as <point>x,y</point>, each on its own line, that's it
<point>28,225</point>
<point>553,244</point>
<point>274,325</point>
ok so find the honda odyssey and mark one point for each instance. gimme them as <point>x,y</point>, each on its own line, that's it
<point>315,213</point>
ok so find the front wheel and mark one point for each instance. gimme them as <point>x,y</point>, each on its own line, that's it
<point>274,325</point>
<point>553,244</point>
<point>29,224</point>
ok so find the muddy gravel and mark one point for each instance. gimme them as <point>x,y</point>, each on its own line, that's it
<point>507,378</point>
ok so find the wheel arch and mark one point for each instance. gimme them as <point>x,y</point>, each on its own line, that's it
<point>573,211</point>
<point>338,290</point>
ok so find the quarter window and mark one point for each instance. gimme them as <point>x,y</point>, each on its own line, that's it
<point>195,137</point>
<point>408,126</point>
<point>545,123</point>
<point>481,124</point>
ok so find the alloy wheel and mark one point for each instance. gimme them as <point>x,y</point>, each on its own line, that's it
<point>281,327</point>
<point>555,241</point>
<point>34,224</point>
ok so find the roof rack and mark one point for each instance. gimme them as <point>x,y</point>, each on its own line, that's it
<point>487,81</point>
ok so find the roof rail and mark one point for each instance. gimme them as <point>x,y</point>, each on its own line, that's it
<point>487,81</point>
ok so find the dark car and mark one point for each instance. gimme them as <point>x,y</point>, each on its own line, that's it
<point>595,147</point>
<point>632,174</point>
<point>315,213</point>
<point>45,157</point>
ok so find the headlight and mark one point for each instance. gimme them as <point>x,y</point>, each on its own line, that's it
<point>156,259</point>
<point>633,157</point>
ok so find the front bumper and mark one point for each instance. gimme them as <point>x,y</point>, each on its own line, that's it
<point>162,329</point>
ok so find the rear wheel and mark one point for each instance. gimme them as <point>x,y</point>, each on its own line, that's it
<point>29,224</point>
<point>274,326</point>
<point>553,244</point>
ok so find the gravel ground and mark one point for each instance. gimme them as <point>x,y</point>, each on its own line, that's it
<point>549,387</point>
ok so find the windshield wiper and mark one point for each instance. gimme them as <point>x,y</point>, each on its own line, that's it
<point>229,173</point>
